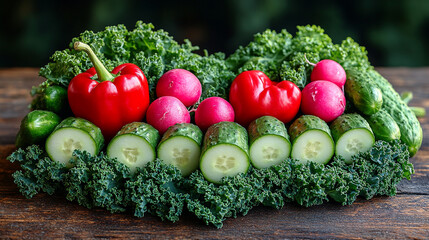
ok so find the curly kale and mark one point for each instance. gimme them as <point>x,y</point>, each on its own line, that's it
<point>153,189</point>
<point>154,51</point>
<point>38,172</point>
<point>160,190</point>
<point>96,181</point>
<point>265,53</point>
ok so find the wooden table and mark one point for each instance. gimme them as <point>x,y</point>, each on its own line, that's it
<point>403,216</point>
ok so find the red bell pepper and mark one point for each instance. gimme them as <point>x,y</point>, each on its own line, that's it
<point>109,102</point>
<point>253,95</point>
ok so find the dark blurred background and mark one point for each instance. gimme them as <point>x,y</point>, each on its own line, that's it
<point>395,32</point>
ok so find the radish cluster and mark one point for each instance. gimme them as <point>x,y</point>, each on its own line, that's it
<point>324,97</point>
<point>177,90</point>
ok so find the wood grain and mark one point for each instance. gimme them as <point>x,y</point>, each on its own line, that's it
<point>403,216</point>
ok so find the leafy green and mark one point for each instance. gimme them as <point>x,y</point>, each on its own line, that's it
<point>153,189</point>
<point>96,181</point>
<point>38,172</point>
<point>155,52</point>
<point>159,189</point>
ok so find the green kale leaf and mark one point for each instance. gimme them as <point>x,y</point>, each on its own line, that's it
<point>38,172</point>
<point>153,189</point>
<point>96,181</point>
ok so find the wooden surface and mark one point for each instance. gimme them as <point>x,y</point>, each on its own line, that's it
<point>403,216</point>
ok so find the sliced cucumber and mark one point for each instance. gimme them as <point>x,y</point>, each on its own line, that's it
<point>181,146</point>
<point>225,151</point>
<point>134,145</point>
<point>71,134</point>
<point>269,142</point>
<point>311,140</point>
<point>352,134</point>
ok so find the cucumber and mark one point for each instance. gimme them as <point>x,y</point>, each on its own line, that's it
<point>269,142</point>
<point>311,140</point>
<point>134,145</point>
<point>181,146</point>
<point>352,134</point>
<point>51,98</point>
<point>364,95</point>
<point>384,126</point>
<point>35,127</point>
<point>225,151</point>
<point>409,125</point>
<point>71,134</point>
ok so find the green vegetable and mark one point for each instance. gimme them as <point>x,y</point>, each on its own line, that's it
<point>225,151</point>
<point>181,146</point>
<point>361,91</point>
<point>159,189</point>
<point>154,190</point>
<point>269,142</point>
<point>411,131</point>
<point>35,128</point>
<point>311,140</point>
<point>51,98</point>
<point>352,134</point>
<point>134,145</point>
<point>73,133</point>
<point>384,126</point>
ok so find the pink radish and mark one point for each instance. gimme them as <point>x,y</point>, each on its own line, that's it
<point>180,83</point>
<point>165,112</point>
<point>213,110</point>
<point>323,99</point>
<point>328,70</point>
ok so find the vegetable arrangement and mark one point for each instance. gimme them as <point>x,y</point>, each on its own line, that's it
<point>175,131</point>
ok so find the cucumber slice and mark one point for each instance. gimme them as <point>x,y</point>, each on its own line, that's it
<point>71,134</point>
<point>352,134</point>
<point>269,142</point>
<point>181,147</point>
<point>225,151</point>
<point>311,140</point>
<point>134,145</point>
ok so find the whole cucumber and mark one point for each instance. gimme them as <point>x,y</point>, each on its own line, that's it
<point>36,127</point>
<point>364,95</point>
<point>384,126</point>
<point>409,125</point>
<point>54,99</point>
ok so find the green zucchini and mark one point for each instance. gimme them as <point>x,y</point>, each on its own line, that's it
<point>364,95</point>
<point>181,146</point>
<point>134,145</point>
<point>311,140</point>
<point>35,127</point>
<point>352,134</point>
<point>409,125</point>
<point>269,142</point>
<point>384,126</point>
<point>225,151</point>
<point>71,134</point>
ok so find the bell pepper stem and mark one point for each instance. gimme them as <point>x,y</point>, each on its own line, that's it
<point>103,74</point>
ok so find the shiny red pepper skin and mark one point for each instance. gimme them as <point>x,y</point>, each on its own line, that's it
<point>253,95</point>
<point>110,104</point>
